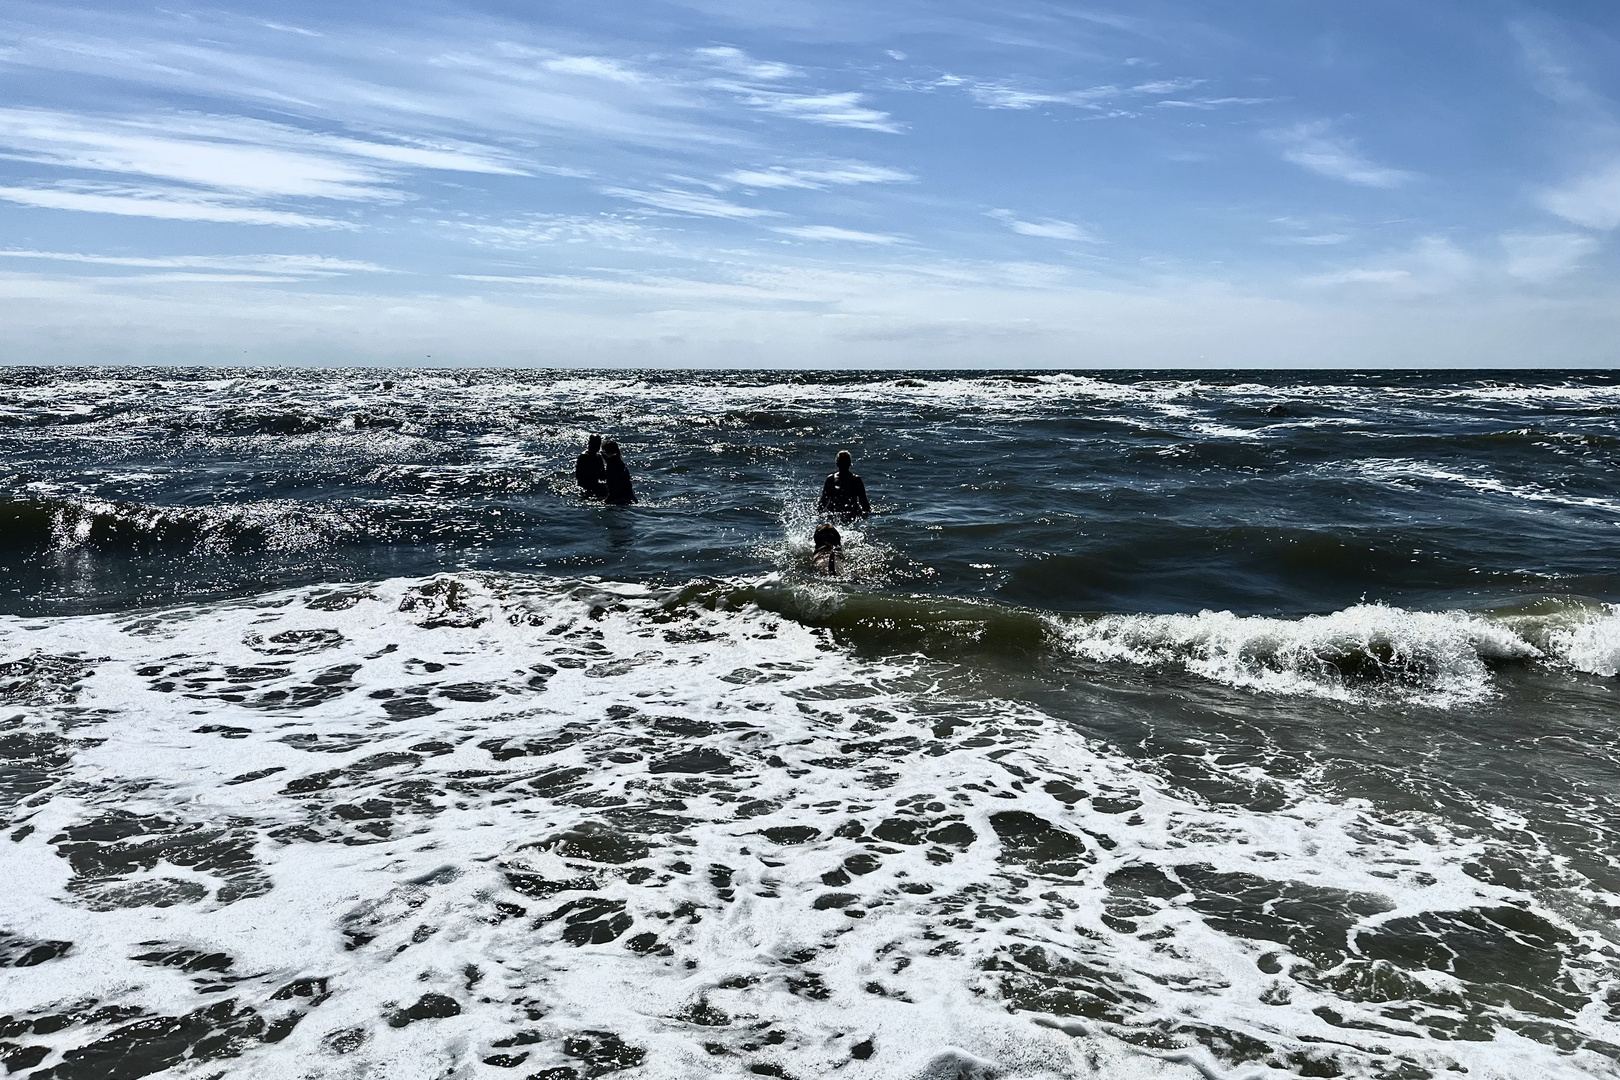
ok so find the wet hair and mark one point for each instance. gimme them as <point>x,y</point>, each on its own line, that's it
<point>593,443</point>
<point>610,448</point>
<point>844,459</point>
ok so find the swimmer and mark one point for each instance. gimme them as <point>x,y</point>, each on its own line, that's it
<point>844,494</point>
<point>618,477</point>
<point>590,471</point>
<point>829,556</point>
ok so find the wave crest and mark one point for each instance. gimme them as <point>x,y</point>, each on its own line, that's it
<point>1438,658</point>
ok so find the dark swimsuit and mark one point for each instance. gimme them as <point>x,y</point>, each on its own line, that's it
<point>590,472</point>
<point>844,494</point>
<point>618,482</point>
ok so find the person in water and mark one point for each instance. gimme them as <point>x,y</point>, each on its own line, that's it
<point>590,471</point>
<point>829,556</point>
<point>844,494</point>
<point>619,490</point>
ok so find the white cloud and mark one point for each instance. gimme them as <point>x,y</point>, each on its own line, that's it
<point>302,265</point>
<point>1592,200</point>
<point>1314,240</point>
<point>1004,95</point>
<point>833,232</point>
<point>740,63</point>
<point>596,67</point>
<point>657,288</point>
<point>1364,276</point>
<point>1432,265</point>
<point>1209,103</point>
<point>1046,228</point>
<point>1312,146</point>
<point>172,204</point>
<point>1546,257</point>
<point>849,172</point>
<point>173,277</point>
<point>690,202</point>
<point>238,162</point>
<point>545,229</point>
<point>287,29</point>
<point>831,109</point>
<point>104,146</point>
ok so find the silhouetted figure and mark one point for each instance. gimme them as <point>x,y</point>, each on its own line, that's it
<point>590,471</point>
<point>829,556</point>
<point>619,490</point>
<point>844,494</point>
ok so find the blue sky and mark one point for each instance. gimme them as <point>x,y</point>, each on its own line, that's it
<point>778,182</point>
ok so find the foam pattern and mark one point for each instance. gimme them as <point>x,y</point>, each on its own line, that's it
<point>1369,651</point>
<point>489,826</point>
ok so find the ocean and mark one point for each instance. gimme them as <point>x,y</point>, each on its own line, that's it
<point>1164,724</point>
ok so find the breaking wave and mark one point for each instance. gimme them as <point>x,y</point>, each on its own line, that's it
<point>1368,651</point>
<point>1439,658</point>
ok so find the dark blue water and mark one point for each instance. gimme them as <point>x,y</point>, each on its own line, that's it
<point>1263,493</point>
<point>1263,721</point>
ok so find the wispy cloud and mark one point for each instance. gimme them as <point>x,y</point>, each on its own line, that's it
<point>596,67</point>
<point>178,277</point>
<point>757,84</point>
<point>545,229</point>
<point>1046,228</point>
<point>249,157</point>
<point>1433,265</point>
<point>134,149</point>
<point>169,204</point>
<point>998,94</point>
<point>1313,146</point>
<point>734,60</point>
<point>221,169</point>
<point>819,177</point>
<point>1592,200</point>
<point>1546,257</point>
<point>842,109</point>
<point>1209,103</point>
<point>833,232</point>
<point>300,265</point>
<point>1313,240</point>
<point>695,203</point>
<point>286,28</point>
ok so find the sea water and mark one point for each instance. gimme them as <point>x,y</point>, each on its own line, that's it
<point>1162,725</point>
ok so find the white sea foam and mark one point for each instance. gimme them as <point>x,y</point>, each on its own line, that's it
<point>445,748</point>
<point>1585,636</point>
<point>1439,658</point>
<point>1369,651</point>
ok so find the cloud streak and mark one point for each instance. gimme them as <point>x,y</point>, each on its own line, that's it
<point>844,173</point>
<point>993,94</point>
<point>171,204</point>
<point>694,203</point>
<point>1313,146</point>
<point>834,233</point>
<point>1046,228</point>
<point>1592,200</point>
<point>300,265</point>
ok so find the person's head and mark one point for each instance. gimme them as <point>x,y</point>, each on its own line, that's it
<point>594,443</point>
<point>845,462</point>
<point>610,448</point>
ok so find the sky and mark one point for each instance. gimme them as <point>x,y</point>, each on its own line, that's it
<point>783,183</point>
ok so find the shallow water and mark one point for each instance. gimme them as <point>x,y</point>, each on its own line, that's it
<point>1165,725</point>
